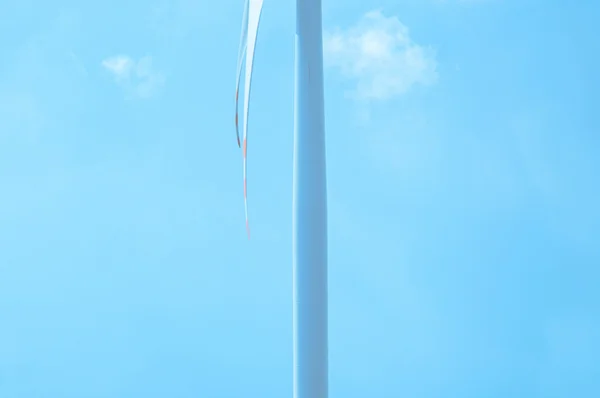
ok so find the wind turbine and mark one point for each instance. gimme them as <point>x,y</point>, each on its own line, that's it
<point>309,214</point>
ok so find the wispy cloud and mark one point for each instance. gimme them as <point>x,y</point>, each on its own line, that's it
<point>137,77</point>
<point>119,65</point>
<point>380,56</point>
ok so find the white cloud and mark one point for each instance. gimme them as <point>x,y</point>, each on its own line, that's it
<point>119,65</point>
<point>137,77</point>
<point>379,55</point>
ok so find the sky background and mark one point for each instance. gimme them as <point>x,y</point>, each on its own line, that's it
<point>463,160</point>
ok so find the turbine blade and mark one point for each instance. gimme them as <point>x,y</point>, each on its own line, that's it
<point>254,13</point>
<point>240,61</point>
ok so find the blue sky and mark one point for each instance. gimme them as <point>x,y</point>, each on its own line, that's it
<point>463,154</point>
